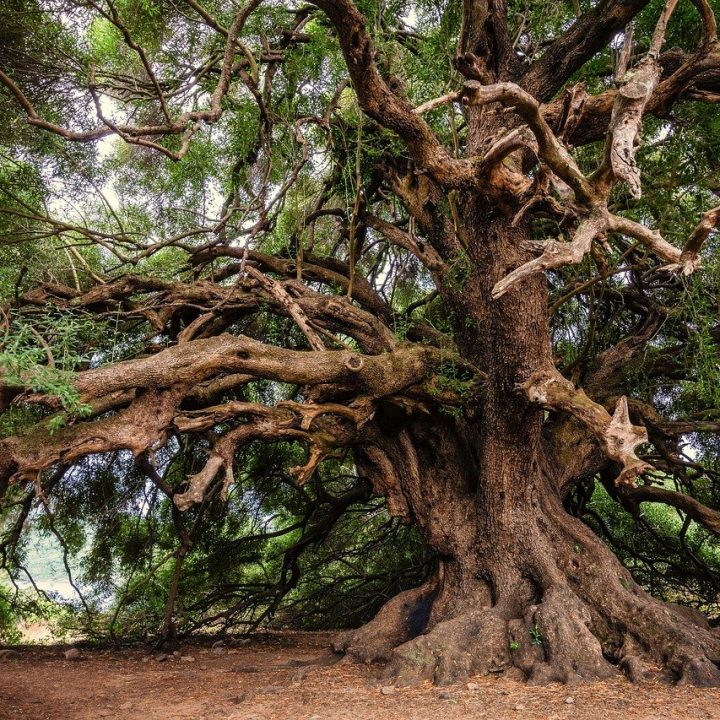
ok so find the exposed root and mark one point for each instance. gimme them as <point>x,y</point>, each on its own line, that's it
<point>638,670</point>
<point>471,644</point>
<point>400,619</point>
<point>582,619</point>
<point>700,672</point>
<point>555,641</point>
<point>561,626</point>
<point>662,641</point>
<point>683,669</point>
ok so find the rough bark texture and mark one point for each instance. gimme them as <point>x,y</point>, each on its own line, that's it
<point>522,588</point>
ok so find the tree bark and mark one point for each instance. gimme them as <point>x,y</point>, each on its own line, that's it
<point>521,586</point>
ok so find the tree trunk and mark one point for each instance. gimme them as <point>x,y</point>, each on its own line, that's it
<point>521,586</point>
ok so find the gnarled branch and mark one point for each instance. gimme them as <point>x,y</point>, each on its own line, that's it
<point>617,436</point>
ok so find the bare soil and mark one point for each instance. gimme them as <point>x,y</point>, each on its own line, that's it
<point>293,675</point>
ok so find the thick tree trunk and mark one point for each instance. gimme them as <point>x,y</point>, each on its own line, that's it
<point>521,587</point>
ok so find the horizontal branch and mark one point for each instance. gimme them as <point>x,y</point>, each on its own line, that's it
<point>200,360</point>
<point>693,508</point>
<point>159,301</point>
<point>436,103</point>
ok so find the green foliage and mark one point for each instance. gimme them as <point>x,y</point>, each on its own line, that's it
<point>23,351</point>
<point>536,635</point>
<point>677,561</point>
<point>9,633</point>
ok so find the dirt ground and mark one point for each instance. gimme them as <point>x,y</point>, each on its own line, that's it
<point>294,676</point>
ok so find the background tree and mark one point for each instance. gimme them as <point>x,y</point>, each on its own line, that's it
<point>409,240</point>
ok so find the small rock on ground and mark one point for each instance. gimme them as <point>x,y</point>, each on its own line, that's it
<point>237,699</point>
<point>387,690</point>
<point>72,654</point>
<point>187,658</point>
<point>446,695</point>
<point>297,676</point>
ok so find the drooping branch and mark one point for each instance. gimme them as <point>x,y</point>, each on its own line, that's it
<point>626,120</point>
<point>326,270</point>
<point>141,426</point>
<point>291,306</point>
<point>163,300</point>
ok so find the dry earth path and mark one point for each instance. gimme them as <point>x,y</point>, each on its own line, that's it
<point>294,676</point>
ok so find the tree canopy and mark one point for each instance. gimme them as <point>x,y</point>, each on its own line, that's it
<point>290,292</point>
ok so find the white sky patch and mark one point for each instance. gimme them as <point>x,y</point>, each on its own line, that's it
<point>410,19</point>
<point>617,40</point>
<point>106,148</point>
<point>662,133</point>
